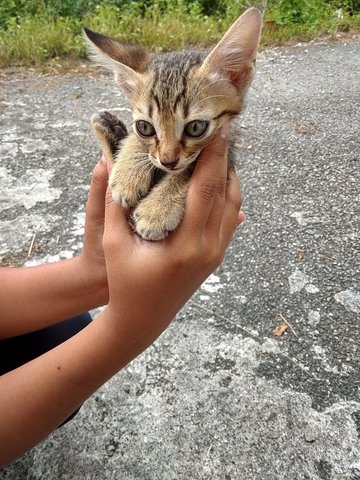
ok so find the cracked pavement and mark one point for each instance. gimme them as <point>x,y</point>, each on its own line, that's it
<point>218,396</point>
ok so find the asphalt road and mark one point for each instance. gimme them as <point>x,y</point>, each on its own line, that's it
<point>218,396</point>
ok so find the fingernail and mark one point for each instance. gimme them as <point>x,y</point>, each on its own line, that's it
<point>241,217</point>
<point>103,160</point>
<point>224,130</point>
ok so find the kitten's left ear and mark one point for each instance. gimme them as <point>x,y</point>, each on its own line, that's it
<point>126,61</point>
<point>235,54</point>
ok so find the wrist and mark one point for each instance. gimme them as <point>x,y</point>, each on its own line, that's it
<point>120,340</point>
<point>93,280</point>
<point>135,327</point>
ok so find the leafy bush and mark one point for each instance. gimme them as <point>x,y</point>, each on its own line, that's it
<point>294,12</point>
<point>32,31</point>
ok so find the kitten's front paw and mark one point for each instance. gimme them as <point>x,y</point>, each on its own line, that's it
<point>128,197</point>
<point>154,222</point>
<point>128,190</point>
<point>109,129</point>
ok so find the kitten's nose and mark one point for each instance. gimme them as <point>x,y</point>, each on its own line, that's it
<point>170,165</point>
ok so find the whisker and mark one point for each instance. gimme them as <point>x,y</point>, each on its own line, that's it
<point>202,77</point>
<point>140,154</point>
<point>207,85</point>
<point>141,166</point>
<point>207,98</point>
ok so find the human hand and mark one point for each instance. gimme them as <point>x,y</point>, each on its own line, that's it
<point>92,259</point>
<point>150,281</point>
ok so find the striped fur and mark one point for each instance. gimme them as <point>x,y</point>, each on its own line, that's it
<point>168,92</point>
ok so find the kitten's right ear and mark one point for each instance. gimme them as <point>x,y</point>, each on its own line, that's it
<point>126,61</point>
<point>235,54</point>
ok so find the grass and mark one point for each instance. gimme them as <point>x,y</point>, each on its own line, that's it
<point>39,34</point>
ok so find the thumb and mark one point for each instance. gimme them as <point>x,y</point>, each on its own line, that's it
<point>117,228</point>
<point>108,162</point>
<point>95,203</point>
<point>208,183</point>
<point>211,168</point>
<point>213,158</point>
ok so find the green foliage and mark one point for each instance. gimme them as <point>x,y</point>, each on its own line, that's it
<point>35,40</point>
<point>296,12</point>
<point>32,31</point>
<point>350,6</point>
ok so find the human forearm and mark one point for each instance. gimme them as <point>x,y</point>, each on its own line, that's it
<point>34,297</point>
<point>148,283</point>
<point>40,395</point>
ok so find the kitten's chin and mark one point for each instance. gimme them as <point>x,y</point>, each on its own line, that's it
<point>178,169</point>
<point>172,171</point>
<point>181,169</point>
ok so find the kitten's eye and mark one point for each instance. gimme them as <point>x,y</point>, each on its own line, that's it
<point>145,129</point>
<point>196,128</point>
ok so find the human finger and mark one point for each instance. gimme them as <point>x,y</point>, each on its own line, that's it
<point>230,218</point>
<point>108,162</point>
<point>214,220</point>
<point>117,229</point>
<point>241,217</point>
<point>95,206</point>
<point>208,182</point>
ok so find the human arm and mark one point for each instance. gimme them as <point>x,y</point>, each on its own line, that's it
<point>35,297</point>
<point>148,284</point>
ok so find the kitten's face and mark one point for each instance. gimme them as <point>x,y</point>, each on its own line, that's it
<point>177,115</point>
<point>180,100</point>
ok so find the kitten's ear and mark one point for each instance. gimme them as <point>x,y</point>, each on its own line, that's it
<point>235,54</point>
<point>126,61</point>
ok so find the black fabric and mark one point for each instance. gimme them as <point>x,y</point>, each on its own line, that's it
<point>17,351</point>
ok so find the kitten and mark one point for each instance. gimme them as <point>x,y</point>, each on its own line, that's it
<point>180,101</point>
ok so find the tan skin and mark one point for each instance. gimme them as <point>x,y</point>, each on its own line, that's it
<point>116,268</point>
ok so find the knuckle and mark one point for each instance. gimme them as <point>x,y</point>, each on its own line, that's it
<point>203,257</point>
<point>213,256</point>
<point>208,190</point>
<point>98,175</point>
<point>188,256</point>
<point>235,201</point>
<point>221,187</point>
<point>211,187</point>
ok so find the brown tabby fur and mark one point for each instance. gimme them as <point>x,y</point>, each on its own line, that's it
<point>169,91</point>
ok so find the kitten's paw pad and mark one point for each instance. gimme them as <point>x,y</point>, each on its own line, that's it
<point>128,194</point>
<point>125,202</point>
<point>126,189</point>
<point>126,199</point>
<point>109,126</point>
<point>151,223</point>
<point>147,231</point>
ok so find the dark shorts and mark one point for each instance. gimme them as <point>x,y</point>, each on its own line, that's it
<point>16,351</point>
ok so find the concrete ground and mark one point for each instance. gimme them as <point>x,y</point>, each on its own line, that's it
<point>218,396</point>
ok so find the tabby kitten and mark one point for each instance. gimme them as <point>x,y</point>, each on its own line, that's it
<point>180,101</point>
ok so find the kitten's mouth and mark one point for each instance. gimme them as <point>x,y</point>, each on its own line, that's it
<point>174,170</point>
<point>183,168</point>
